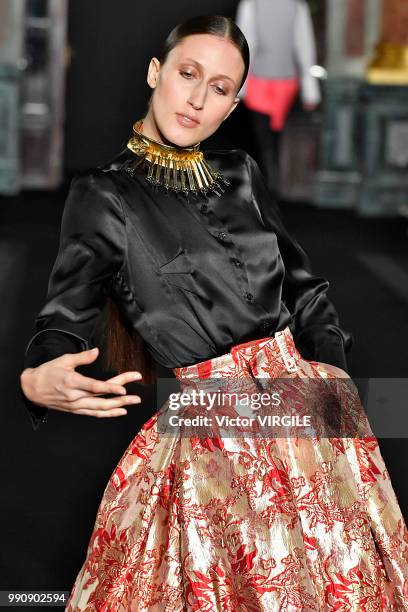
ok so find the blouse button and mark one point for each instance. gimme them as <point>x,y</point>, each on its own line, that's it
<point>204,208</point>
<point>237,263</point>
<point>222,236</point>
<point>249,297</point>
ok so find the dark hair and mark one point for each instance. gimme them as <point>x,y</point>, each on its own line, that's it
<point>126,349</point>
<point>217,25</point>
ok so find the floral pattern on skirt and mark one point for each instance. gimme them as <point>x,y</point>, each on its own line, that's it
<point>246,523</point>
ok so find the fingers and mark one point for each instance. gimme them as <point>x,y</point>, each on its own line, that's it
<point>125,377</point>
<point>76,381</point>
<point>76,359</point>
<point>102,415</point>
<point>95,406</point>
<point>95,413</point>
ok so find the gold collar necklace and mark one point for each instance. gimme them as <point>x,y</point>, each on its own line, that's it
<point>180,169</point>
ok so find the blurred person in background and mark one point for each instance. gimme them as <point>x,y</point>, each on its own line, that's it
<point>282,45</point>
<point>201,276</point>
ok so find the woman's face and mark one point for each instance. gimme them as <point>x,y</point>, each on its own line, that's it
<point>194,90</point>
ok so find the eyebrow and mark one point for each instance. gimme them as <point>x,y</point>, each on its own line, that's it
<point>218,76</point>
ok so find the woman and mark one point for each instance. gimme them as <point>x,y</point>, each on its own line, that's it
<point>190,249</point>
<point>283,50</point>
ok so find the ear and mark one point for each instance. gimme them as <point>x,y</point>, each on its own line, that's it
<point>233,106</point>
<point>153,72</point>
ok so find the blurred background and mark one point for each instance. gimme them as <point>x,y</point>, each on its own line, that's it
<point>72,82</point>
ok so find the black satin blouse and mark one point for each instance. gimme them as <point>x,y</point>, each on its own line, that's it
<point>193,275</point>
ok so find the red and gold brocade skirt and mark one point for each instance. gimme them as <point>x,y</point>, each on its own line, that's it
<point>240,523</point>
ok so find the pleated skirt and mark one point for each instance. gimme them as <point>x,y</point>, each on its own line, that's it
<point>236,515</point>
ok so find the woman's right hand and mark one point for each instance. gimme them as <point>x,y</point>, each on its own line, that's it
<point>55,384</point>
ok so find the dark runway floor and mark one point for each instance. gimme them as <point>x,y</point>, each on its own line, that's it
<point>53,479</point>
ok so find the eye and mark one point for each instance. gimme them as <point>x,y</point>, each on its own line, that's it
<point>219,90</point>
<point>186,74</point>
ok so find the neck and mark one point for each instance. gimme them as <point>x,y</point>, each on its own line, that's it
<point>151,129</point>
<point>176,168</point>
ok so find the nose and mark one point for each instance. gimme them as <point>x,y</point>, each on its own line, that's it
<point>197,96</point>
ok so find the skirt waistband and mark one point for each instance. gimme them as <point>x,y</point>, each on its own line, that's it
<point>280,346</point>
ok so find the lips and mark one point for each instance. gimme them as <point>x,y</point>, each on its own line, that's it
<point>187,120</point>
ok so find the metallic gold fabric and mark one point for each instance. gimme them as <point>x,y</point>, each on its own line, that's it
<point>248,524</point>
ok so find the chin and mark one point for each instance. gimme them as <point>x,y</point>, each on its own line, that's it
<point>182,140</point>
<point>181,137</point>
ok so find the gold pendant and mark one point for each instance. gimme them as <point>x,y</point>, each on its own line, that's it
<point>176,168</point>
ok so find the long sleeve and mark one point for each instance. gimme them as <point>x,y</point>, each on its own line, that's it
<point>305,53</point>
<point>317,333</point>
<point>246,21</point>
<point>91,251</point>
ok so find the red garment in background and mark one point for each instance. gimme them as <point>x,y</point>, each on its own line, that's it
<point>273,97</point>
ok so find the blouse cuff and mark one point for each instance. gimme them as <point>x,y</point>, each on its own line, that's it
<point>332,353</point>
<point>329,345</point>
<point>41,348</point>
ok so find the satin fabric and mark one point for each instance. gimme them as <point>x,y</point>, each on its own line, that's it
<point>248,524</point>
<point>193,275</point>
